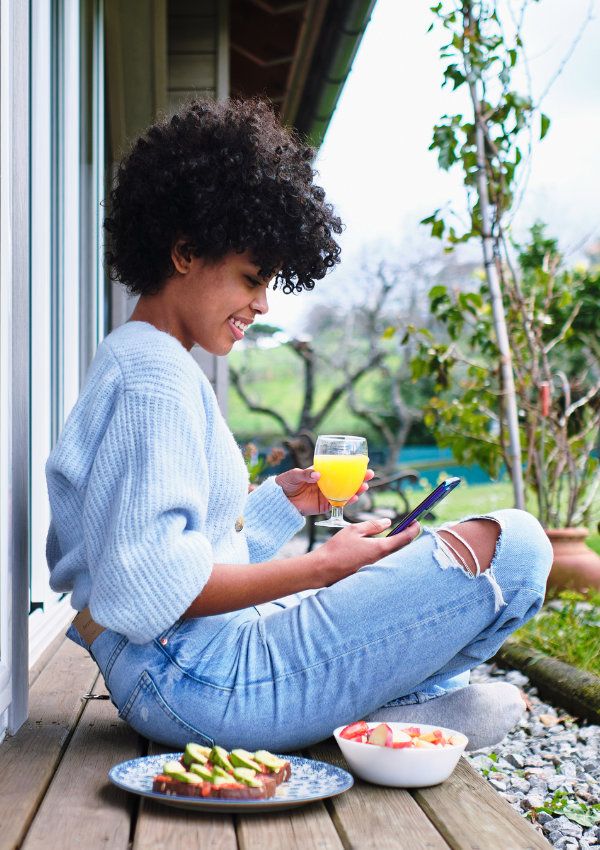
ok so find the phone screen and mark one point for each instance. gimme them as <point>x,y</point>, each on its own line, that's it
<point>434,497</point>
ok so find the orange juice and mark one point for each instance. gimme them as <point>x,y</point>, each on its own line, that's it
<point>341,476</point>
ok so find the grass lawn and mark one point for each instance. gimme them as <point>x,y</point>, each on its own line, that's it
<point>568,629</point>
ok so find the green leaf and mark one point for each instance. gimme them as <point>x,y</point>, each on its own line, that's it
<point>437,292</point>
<point>545,125</point>
<point>513,57</point>
<point>388,333</point>
<point>437,228</point>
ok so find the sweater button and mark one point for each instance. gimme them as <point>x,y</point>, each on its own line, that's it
<point>163,641</point>
<point>239,523</point>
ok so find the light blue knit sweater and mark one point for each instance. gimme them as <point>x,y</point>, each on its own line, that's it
<point>146,483</point>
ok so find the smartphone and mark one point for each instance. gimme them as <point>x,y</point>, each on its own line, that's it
<point>434,497</point>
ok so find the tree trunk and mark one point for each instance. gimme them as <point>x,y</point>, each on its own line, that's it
<point>509,396</point>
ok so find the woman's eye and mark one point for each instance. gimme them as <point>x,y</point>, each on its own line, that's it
<point>253,283</point>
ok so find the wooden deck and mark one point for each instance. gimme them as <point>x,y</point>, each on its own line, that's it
<point>54,792</point>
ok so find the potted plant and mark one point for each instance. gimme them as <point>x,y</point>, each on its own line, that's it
<point>553,326</point>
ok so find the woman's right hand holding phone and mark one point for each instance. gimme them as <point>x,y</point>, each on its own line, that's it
<point>356,546</point>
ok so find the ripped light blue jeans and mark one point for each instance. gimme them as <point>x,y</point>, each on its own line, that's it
<point>283,675</point>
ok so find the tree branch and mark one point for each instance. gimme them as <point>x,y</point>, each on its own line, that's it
<point>255,408</point>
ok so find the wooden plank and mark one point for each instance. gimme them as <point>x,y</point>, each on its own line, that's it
<point>192,34</point>
<point>161,827</point>
<point>81,807</point>
<point>54,709</point>
<point>372,817</point>
<point>192,7</point>
<point>192,70</point>
<point>178,98</point>
<point>297,829</point>
<point>471,815</point>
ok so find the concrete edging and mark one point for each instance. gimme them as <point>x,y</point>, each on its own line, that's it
<point>573,689</point>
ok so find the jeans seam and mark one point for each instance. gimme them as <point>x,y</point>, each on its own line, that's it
<point>113,657</point>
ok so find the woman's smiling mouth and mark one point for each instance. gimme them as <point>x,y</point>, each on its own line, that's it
<point>238,326</point>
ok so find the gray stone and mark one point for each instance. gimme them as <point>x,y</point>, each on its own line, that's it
<point>532,801</point>
<point>515,783</point>
<point>515,759</point>
<point>515,677</point>
<point>568,827</point>
<point>589,733</point>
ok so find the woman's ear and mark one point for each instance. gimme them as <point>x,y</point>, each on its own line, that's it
<point>181,256</point>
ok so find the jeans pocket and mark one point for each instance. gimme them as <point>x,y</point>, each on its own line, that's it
<point>149,714</point>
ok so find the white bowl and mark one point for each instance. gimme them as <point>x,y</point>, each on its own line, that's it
<point>402,768</point>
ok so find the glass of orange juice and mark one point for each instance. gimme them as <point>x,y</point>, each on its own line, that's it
<point>342,462</point>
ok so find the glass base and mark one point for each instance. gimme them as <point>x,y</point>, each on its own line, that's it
<point>333,522</point>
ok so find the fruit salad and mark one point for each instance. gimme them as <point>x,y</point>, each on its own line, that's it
<point>411,737</point>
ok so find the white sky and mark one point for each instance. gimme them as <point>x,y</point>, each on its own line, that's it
<point>375,164</point>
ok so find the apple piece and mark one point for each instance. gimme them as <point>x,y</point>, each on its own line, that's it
<point>413,731</point>
<point>428,736</point>
<point>403,745</point>
<point>423,745</point>
<point>354,730</point>
<point>401,736</point>
<point>381,736</point>
<point>453,740</point>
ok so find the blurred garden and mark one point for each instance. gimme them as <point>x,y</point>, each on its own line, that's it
<point>476,352</point>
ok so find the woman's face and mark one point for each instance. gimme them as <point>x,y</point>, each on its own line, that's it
<point>208,303</point>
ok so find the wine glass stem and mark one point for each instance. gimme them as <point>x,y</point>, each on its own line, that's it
<point>337,513</point>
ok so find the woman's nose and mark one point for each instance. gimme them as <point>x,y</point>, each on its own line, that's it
<point>260,304</point>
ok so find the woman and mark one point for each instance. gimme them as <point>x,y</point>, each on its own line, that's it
<point>199,634</point>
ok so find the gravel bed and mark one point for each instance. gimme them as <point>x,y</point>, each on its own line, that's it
<point>549,754</point>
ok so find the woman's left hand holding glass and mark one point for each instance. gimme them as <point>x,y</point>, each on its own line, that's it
<point>300,486</point>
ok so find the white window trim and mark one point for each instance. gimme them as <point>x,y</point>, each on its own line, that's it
<point>14,360</point>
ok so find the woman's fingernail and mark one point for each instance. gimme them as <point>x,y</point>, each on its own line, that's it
<point>315,475</point>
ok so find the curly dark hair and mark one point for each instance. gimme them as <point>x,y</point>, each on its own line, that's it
<point>225,177</point>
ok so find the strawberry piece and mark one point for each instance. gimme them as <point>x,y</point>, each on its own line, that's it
<point>355,730</point>
<point>402,745</point>
<point>413,731</point>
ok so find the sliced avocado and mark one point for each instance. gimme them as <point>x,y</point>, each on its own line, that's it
<point>220,780</point>
<point>269,760</point>
<point>192,779</point>
<point>195,753</point>
<point>219,771</point>
<point>242,758</point>
<point>247,776</point>
<point>220,756</point>
<point>202,772</point>
<point>174,769</point>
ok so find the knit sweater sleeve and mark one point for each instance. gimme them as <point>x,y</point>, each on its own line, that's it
<point>145,516</point>
<point>270,520</point>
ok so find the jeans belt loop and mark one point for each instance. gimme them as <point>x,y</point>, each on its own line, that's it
<point>87,627</point>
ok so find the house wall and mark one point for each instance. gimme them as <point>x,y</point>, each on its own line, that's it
<point>182,54</point>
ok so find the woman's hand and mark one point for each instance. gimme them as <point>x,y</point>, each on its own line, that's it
<point>354,547</point>
<point>300,486</point>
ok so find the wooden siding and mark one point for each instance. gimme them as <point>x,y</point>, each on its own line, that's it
<point>196,44</point>
<point>192,50</point>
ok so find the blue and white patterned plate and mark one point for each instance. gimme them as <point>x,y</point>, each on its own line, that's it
<point>310,781</point>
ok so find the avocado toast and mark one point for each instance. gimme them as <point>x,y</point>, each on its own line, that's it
<point>214,772</point>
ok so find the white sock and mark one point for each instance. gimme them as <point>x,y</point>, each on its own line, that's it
<point>484,713</point>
